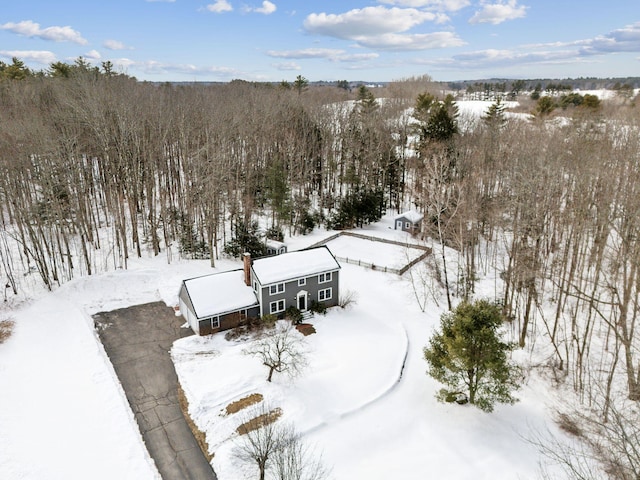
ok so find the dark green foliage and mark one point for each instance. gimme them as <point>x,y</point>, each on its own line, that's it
<point>494,116</point>
<point>300,84</point>
<point>318,307</point>
<point>577,100</point>
<point>293,314</point>
<point>535,95</point>
<point>343,84</point>
<point>591,101</point>
<point>191,244</point>
<point>366,101</point>
<point>268,320</point>
<point>357,209</point>
<point>545,105</point>
<point>467,354</point>
<point>246,240</point>
<point>16,70</point>
<point>573,99</point>
<point>274,233</point>
<point>437,119</point>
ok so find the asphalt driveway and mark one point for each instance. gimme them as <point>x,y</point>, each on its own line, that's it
<point>138,340</point>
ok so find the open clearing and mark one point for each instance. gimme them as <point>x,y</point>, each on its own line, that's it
<point>377,253</point>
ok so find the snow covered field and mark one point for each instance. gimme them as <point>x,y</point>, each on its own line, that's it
<point>63,414</point>
<point>356,404</point>
<point>376,253</point>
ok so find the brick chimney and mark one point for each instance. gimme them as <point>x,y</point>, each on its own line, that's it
<point>246,257</point>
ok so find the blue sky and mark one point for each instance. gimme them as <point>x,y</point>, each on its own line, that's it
<point>375,40</point>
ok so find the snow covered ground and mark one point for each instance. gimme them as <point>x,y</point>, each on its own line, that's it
<point>376,253</point>
<point>63,414</point>
<point>370,414</point>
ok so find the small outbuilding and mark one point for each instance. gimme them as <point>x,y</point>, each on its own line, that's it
<point>409,221</point>
<point>275,247</point>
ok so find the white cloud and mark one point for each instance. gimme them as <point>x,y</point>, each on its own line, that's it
<point>334,55</point>
<point>93,55</point>
<point>496,13</point>
<point>154,67</point>
<point>220,6</point>
<point>368,21</point>
<point>626,39</point>
<point>39,56</point>
<point>441,5</point>
<point>286,66</point>
<point>56,34</point>
<point>383,28</point>
<point>115,45</point>
<point>356,57</point>
<point>267,8</point>
<point>306,53</point>
<point>418,41</point>
<point>494,57</point>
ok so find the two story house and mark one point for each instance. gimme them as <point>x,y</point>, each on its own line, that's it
<point>268,285</point>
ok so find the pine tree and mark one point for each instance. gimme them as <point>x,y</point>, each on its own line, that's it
<point>467,354</point>
<point>494,116</point>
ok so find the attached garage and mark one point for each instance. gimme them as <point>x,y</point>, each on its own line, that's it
<point>217,302</point>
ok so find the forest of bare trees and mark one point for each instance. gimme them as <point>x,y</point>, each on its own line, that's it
<point>99,168</point>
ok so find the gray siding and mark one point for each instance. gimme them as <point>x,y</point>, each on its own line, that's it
<point>292,289</point>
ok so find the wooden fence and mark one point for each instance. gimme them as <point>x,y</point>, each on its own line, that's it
<point>372,266</point>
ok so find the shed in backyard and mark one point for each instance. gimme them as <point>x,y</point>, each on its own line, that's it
<point>409,221</point>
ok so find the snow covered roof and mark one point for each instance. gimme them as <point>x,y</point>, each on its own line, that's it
<point>411,215</point>
<point>219,293</point>
<point>294,265</point>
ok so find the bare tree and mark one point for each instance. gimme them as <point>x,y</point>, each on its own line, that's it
<point>258,441</point>
<point>295,460</point>
<point>281,350</point>
<point>276,448</point>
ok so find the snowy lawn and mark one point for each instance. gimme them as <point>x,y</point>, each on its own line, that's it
<point>352,402</point>
<point>377,253</point>
<point>63,414</point>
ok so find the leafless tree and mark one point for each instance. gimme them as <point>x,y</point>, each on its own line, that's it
<point>296,460</point>
<point>281,350</point>
<point>277,449</point>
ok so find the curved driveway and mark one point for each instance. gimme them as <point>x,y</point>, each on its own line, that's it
<point>138,340</point>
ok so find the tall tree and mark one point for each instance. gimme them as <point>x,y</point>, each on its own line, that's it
<point>468,354</point>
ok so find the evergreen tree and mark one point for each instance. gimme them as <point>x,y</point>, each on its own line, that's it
<point>468,354</point>
<point>246,240</point>
<point>494,116</point>
<point>545,105</point>
<point>367,102</point>
<point>16,70</point>
<point>300,84</point>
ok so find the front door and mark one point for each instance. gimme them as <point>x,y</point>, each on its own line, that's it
<point>302,301</point>
<point>398,224</point>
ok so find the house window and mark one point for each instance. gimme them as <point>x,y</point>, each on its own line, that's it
<point>276,307</point>
<point>324,277</point>
<point>277,288</point>
<point>215,322</point>
<point>407,225</point>
<point>302,282</point>
<point>324,294</point>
